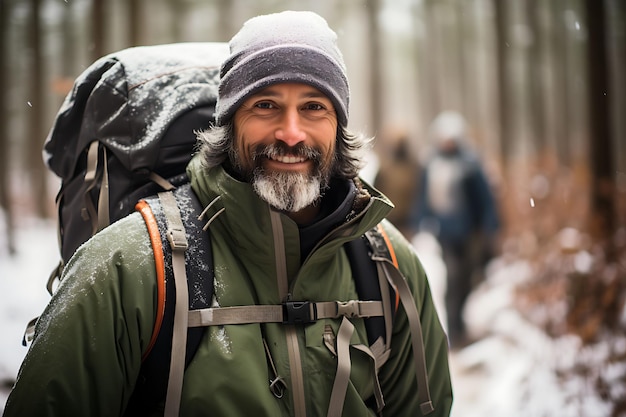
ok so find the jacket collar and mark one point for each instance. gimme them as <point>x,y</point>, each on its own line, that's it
<point>245,218</point>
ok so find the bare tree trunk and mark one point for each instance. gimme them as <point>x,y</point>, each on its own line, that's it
<point>134,22</point>
<point>176,12</point>
<point>425,67</point>
<point>5,176</point>
<point>69,52</point>
<point>429,59</point>
<point>225,28</point>
<point>506,131</point>
<point>375,64</point>
<point>453,35</point>
<point>468,47</point>
<point>36,133</point>
<point>537,82</point>
<point>616,11</point>
<point>603,216</point>
<point>98,25</point>
<point>552,132</point>
<point>561,59</point>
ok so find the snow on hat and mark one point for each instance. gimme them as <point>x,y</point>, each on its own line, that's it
<point>283,47</point>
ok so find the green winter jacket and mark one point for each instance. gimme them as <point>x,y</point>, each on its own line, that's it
<point>89,341</point>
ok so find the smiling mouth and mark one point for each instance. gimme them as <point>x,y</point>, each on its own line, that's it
<point>278,156</point>
<point>287,159</point>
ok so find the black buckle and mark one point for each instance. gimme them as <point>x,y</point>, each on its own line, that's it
<point>299,312</point>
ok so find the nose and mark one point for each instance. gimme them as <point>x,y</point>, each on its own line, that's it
<point>290,129</point>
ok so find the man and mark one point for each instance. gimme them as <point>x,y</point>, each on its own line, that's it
<point>456,205</point>
<point>282,166</point>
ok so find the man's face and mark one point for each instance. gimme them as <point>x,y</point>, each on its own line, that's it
<point>448,145</point>
<point>285,144</point>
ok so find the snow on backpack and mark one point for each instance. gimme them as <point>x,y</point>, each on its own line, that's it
<point>127,127</point>
<point>125,133</point>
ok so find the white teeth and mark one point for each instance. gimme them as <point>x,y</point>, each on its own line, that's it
<point>288,159</point>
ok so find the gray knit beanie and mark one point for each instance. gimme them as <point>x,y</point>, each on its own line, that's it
<point>283,47</point>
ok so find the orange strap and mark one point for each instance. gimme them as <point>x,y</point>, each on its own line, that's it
<point>394,259</point>
<point>157,248</point>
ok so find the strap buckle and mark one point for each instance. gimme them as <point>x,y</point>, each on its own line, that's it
<point>177,238</point>
<point>299,312</point>
<point>348,309</point>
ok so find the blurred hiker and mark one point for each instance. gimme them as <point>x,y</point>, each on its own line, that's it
<point>455,204</point>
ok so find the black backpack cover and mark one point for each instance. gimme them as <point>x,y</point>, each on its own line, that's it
<point>127,124</point>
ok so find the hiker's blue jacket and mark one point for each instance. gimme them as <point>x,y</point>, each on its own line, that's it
<point>87,352</point>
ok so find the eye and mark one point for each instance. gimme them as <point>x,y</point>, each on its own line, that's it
<point>314,106</point>
<point>266,105</point>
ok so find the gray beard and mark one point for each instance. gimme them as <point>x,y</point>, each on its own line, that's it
<point>287,191</point>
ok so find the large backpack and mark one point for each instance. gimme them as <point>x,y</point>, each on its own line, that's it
<point>126,132</point>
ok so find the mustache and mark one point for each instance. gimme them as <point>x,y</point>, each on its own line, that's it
<point>281,149</point>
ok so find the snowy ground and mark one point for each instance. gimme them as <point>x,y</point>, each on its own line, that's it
<point>511,371</point>
<point>23,293</point>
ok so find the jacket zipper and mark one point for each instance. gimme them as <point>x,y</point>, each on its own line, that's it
<point>344,229</point>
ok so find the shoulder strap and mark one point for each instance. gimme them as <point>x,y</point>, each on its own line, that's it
<point>388,267</point>
<point>178,244</point>
<point>155,371</point>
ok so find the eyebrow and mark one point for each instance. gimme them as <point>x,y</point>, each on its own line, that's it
<point>271,92</point>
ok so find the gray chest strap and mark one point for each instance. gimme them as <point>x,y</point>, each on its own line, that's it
<point>292,312</point>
